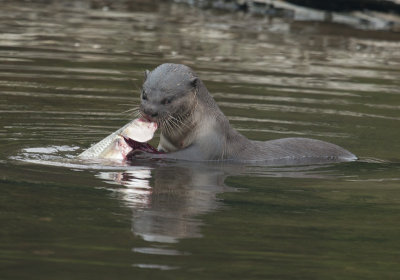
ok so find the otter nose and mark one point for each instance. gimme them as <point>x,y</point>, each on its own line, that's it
<point>150,113</point>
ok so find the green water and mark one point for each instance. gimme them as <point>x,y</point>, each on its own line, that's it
<point>70,69</point>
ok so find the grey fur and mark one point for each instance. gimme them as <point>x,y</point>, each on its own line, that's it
<point>194,128</point>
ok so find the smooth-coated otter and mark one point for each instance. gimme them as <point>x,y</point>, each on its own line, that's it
<point>194,128</point>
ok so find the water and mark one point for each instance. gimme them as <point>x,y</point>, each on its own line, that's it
<point>70,69</point>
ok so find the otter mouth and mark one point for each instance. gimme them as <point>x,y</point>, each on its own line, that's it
<point>149,118</point>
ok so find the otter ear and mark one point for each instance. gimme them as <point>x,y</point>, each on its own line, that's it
<point>193,82</point>
<point>146,74</point>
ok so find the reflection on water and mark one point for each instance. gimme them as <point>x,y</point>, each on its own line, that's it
<point>166,201</point>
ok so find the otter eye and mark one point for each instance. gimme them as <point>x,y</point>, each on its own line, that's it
<point>144,95</point>
<point>166,101</point>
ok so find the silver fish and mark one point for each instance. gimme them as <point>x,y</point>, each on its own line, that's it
<point>115,146</point>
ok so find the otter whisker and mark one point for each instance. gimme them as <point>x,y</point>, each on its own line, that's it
<point>134,112</point>
<point>178,123</point>
<point>168,126</point>
<point>128,104</point>
<point>130,110</point>
<point>174,125</point>
<point>163,124</point>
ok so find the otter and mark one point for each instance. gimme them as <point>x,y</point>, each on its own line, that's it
<point>194,128</point>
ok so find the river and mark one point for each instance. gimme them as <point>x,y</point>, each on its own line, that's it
<point>70,71</point>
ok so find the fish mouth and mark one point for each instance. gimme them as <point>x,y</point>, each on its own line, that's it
<point>139,146</point>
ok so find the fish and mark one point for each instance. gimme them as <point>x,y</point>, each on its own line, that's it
<point>120,143</point>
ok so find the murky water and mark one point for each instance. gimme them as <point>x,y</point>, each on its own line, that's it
<point>70,69</point>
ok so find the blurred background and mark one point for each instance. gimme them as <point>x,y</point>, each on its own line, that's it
<point>364,14</point>
<point>71,71</point>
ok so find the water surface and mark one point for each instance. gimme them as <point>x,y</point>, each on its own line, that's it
<point>69,71</point>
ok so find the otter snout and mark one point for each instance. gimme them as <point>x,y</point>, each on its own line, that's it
<point>149,113</point>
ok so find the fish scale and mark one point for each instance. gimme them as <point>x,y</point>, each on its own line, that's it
<point>137,130</point>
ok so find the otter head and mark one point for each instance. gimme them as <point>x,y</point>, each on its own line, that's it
<point>168,95</point>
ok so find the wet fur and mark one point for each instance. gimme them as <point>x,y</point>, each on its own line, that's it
<point>194,128</point>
